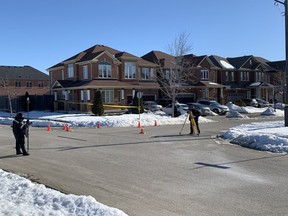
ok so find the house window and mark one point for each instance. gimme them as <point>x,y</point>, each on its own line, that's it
<point>204,74</point>
<point>40,84</point>
<point>145,73</point>
<point>62,75</point>
<point>29,84</point>
<point>244,76</point>
<point>232,76</point>
<point>259,76</point>
<point>167,74</point>
<point>64,95</point>
<point>85,95</point>
<point>18,84</point>
<point>226,76</point>
<point>70,70</point>
<point>130,70</point>
<point>151,73</point>
<point>85,72</point>
<point>108,96</point>
<point>104,69</point>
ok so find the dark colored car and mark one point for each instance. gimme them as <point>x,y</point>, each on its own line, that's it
<point>250,102</point>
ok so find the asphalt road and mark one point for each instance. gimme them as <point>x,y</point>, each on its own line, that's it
<point>156,173</point>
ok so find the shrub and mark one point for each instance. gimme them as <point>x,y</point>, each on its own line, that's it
<point>98,108</point>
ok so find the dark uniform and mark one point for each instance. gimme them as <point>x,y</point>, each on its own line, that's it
<point>193,113</point>
<point>19,131</point>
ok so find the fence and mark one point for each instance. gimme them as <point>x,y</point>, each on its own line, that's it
<point>37,102</point>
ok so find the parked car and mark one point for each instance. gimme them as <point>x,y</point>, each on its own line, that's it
<point>250,102</point>
<point>152,106</point>
<point>203,109</point>
<point>215,106</point>
<point>262,103</point>
<point>181,109</point>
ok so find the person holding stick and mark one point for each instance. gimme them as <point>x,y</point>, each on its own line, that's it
<point>194,118</point>
<point>19,131</point>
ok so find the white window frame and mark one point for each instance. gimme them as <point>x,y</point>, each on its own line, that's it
<point>145,73</point>
<point>108,96</point>
<point>152,74</point>
<point>104,70</point>
<point>85,95</point>
<point>204,73</point>
<point>167,74</point>
<point>226,76</point>
<point>85,71</point>
<point>62,75</point>
<point>244,76</point>
<point>232,76</point>
<point>70,70</point>
<point>130,70</point>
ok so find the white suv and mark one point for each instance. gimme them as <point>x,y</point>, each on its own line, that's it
<point>181,109</point>
<point>215,106</point>
<point>152,106</point>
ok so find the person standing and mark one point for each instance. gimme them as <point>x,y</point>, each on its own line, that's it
<point>19,131</point>
<point>194,115</point>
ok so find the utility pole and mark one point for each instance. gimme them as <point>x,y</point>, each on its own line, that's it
<point>285,4</point>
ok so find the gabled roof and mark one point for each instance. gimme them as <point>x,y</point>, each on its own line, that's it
<point>238,62</point>
<point>160,58</point>
<point>278,65</point>
<point>196,61</point>
<point>221,62</point>
<point>143,62</point>
<point>95,51</point>
<point>22,73</point>
<point>257,63</point>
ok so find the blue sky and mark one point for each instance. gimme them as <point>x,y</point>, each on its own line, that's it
<point>41,33</point>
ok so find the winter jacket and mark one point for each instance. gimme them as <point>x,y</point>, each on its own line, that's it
<point>19,128</point>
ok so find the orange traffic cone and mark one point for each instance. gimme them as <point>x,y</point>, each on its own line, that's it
<point>64,127</point>
<point>139,125</point>
<point>68,128</point>
<point>142,130</point>
<point>49,128</point>
<point>155,123</point>
<point>98,125</point>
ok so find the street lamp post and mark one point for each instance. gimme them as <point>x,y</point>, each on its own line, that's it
<point>28,103</point>
<point>285,4</point>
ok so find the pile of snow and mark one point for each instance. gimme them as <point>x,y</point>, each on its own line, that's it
<point>43,119</point>
<point>19,196</point>
<point>264,136</point>
<point>235,114</point>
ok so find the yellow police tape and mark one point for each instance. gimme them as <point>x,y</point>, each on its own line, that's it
<point>119,106</point>
<point>105,105</point>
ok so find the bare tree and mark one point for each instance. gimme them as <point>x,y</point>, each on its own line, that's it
<point>279,82</point>
<point>172,81</point>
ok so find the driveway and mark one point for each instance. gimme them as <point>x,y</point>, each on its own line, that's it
<point>156,173</point>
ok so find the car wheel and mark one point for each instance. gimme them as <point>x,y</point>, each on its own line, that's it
<point>216,111</point>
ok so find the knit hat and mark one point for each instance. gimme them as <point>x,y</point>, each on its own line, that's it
<point>20,116</point>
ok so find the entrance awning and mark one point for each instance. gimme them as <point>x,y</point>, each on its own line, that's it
<point>210,84</point>
<point>261,85</point>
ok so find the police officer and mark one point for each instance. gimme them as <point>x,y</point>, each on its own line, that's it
<point>19,131</point>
